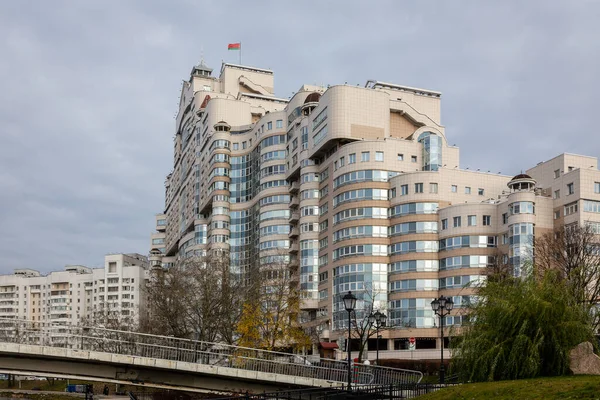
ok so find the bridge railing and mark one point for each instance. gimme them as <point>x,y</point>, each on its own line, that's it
<point>185,350</point>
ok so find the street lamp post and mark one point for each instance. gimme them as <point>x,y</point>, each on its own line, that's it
<point>349,305</point>
<point>442,307</point>
<point>378,319</point>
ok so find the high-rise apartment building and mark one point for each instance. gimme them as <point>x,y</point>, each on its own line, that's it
<point>78,294</point>
<point>359,187</point>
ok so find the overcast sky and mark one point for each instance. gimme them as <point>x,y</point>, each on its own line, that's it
<point>89,90</point>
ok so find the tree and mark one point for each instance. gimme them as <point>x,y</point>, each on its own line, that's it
<point>363,329</point>
<point>109,315</point>
<point>269,318</point>
<point>199,298</point>
<point>521,328</point>
<point>574,252</point>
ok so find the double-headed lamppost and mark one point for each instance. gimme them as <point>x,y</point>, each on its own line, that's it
<point>442,307</point>
<point>349,305</point>
<point>378,319</point>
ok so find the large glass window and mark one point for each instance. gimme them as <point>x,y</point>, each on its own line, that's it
<point>360,250</point>
<point>432,151</point>
<point>283,214</point>
<point>414,285</point>
<point>272,141</point>
<point>590,206</point>
<point>414,266</point>
<point>412,313</point>
<point>414,246</point>
<point>360,194</point>
<point>467,241</point>
<point>359,231</point>
<point>520,247</point>
<point>363,176</point>
<point>413,227</point>
<point>360,213</point>
<point>521,207</point>
<point>413,208</point>
<point>465,262</point>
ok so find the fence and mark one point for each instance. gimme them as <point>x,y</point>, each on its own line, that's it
<point>369,392</point>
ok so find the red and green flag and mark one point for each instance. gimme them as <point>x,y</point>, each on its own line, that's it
<point>234,46</point>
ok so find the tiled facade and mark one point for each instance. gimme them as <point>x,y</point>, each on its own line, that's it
<point>359,187</point>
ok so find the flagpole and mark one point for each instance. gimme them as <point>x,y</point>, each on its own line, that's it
<point>240,53</point>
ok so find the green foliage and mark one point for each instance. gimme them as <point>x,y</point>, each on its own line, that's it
<point>521,328</point>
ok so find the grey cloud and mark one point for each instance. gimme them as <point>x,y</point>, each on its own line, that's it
<point>89,90</point>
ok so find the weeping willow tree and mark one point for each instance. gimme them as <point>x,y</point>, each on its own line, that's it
<point>521,328</point>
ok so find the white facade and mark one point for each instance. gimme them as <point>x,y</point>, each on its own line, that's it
<point>71,297</point>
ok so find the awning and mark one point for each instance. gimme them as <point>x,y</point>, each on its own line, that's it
<point>328,345</point>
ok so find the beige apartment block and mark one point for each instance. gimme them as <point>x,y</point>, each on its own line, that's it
<point>78,295</point>
<point>360,190</point>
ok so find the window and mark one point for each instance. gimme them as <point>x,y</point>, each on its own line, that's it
<point>400,157</point>
<point>591,206</point>
<point>433,187</point>
<point>413,159</point>
<point>467,190</point>
<point>236,146</point>
<point>571,208</point>
<point>453,188</point>
<point>342,161</point>
<point>279,123</point>
<point>352,158</point>
<point>335,165</point>
<point>596,187</point>
<point>456,222</point>
<point>557,194</point>
<point>570,188</point>
<point>505,218</point>
<point>364,156</point>
<point>487,220</point>
<point>556,173</point>
<point>269,126</point>
<point>403,190</point>
<point>112,267</point>
<point>244,144</point>
<point>379,156</point>
<point>481,191</point>
<point>471,220</point>
<point>418,187</point>
<point>557,214</point>
<point>444,224</point>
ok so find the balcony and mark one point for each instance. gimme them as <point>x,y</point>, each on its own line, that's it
<point>294,217</point>
<point>294,247</point>
<point>309,304</point>
<point>294,187</point>
<point>294,202</point>
<point>294,232</point>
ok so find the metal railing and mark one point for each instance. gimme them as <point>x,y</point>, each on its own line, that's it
<point>216,354</point>
<point>371,392</point>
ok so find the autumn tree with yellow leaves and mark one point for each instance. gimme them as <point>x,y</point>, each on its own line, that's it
<point>269,317</point>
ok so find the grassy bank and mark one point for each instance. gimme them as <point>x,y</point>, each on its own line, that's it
<point>571,387</point>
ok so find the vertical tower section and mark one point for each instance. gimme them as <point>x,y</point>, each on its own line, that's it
<point>227,192</point>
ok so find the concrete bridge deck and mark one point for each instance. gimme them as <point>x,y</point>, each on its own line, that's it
<point>167,362</point>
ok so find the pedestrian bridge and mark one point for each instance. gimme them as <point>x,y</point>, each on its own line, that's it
<point>34,348</point>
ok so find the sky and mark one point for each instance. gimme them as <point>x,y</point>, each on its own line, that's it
<point>89,91</point>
